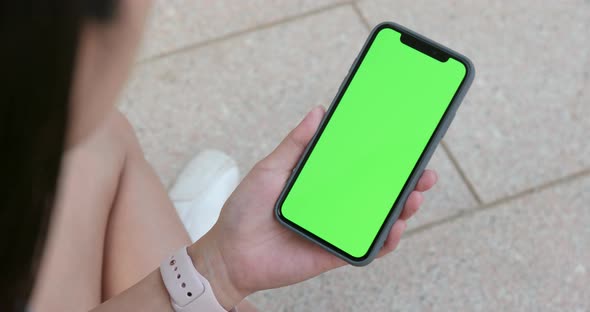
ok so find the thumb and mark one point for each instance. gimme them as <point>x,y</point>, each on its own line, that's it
<point>286,155</point>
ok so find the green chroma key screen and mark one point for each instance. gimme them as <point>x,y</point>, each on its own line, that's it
<point>371,143</point>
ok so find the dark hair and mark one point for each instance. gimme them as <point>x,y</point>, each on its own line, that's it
<point>37,59</point>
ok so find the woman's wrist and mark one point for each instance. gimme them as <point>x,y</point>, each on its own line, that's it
<point>209,262</point>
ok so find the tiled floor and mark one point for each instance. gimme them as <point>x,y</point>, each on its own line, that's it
<point>508,226</point>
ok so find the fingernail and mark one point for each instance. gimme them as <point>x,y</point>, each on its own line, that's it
<point>305,117</point>
<point>310,113</point>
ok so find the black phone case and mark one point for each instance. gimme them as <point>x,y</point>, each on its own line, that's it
<point>416,172</point>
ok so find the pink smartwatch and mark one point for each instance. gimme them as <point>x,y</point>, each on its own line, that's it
<point>189,291</point>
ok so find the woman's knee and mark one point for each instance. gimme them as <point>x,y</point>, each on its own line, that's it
<point>121,133</point>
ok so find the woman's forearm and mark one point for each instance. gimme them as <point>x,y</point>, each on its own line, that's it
<point>148,295</point>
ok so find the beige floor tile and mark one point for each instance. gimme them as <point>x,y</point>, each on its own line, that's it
<point>529,254</point>
<point>243,95</point>
<point>525,119</point>
<point>177,23</point>
<point>448,197</point>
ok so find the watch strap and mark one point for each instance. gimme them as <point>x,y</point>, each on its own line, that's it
<point>189,290</point>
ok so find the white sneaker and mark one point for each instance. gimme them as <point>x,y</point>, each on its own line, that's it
<point>202,188</point>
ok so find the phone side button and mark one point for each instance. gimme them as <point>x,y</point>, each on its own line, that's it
<point>342,84</point>
<point>444,132</point>
<point>352,65</point>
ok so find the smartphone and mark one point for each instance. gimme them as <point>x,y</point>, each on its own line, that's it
<point>374,142</point>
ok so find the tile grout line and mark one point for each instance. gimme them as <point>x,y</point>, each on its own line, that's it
<point>497,203</point>
<point>358,12</point>
<point>238,33</point>
<point>461,172</point>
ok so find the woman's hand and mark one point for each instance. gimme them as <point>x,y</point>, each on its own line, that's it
<point>248,250</point>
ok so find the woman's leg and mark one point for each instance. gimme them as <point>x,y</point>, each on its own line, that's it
<point>112,222</point>
<point>70,271</point>
<point>143,226</point>
<point>115,223</point>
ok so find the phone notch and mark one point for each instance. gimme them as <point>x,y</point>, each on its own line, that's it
<point>424,47</point>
